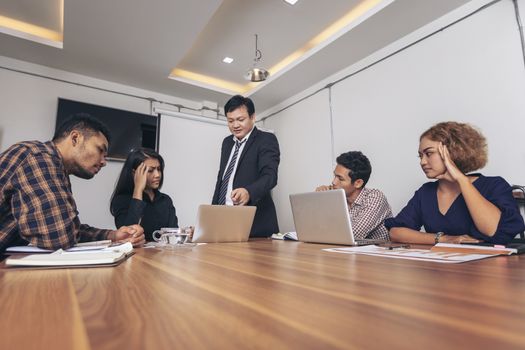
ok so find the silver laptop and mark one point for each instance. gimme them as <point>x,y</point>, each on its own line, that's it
<point>322,217</point>
<point>222,223</point>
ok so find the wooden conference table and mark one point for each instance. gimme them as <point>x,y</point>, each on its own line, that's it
<point>266,295</point>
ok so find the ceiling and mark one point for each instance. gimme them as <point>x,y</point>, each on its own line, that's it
<point>141,43</point>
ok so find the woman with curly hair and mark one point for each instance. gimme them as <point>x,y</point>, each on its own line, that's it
<point>460,206</point>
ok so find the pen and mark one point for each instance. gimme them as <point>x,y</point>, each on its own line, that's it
<point>391,246</point>
<point>401,246</point>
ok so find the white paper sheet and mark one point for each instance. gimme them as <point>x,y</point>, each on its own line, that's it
<point>411,254</point>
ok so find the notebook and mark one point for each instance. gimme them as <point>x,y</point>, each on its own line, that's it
<point>322,217</point>
<point>223,223</point>
<point>95,245</point>
<point>109,256</point>
<point>287,236</point>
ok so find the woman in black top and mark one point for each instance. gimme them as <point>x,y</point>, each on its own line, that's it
<point>137,199</point>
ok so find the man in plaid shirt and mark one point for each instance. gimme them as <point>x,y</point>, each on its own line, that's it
<point>368,207</point>
<point>36,202</point>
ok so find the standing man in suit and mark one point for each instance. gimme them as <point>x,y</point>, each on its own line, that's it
<point>248,168</point>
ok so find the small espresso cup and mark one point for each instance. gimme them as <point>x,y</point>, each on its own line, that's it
<point>170,235</point>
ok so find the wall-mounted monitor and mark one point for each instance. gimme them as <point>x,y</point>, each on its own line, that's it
<point>129,130</point>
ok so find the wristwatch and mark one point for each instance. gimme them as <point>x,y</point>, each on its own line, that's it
<point>438,236</point>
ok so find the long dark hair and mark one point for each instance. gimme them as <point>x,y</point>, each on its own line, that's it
<point>126,182</point>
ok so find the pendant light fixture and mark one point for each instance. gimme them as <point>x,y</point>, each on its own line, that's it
<point>256,74</point>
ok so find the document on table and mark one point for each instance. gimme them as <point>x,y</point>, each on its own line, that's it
<point>291,236</point>
<point>95,245</point>
<point>474,249</point>
<point>412,254</point>
<point>107,256</point>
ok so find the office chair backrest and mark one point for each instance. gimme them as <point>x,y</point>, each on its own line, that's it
<point>518,193</point>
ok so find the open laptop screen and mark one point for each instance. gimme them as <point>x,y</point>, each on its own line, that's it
<point>222,223</point>
<point>322,217</point>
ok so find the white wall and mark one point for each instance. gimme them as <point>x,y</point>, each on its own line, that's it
<point>303,132</point>
<point>194,150</point>
<point>471,72</point>
<point>28,107</point>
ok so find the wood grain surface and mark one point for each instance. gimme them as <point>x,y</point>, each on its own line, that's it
<point>266,294</point>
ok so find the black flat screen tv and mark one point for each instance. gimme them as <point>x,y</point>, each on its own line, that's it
<point>129,130</point>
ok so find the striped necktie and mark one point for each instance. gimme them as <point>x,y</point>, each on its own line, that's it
<point>228,173</point>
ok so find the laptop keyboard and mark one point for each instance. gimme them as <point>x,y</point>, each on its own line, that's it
<point>369,241</point>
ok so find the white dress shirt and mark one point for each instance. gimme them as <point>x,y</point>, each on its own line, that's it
<point>229,200</point>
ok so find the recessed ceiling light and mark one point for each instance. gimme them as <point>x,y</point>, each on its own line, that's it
<point>291,2</point>
<point>227,60</point>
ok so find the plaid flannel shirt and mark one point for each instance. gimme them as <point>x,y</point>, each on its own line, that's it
<point>36,202</point>
<point>368,214</point>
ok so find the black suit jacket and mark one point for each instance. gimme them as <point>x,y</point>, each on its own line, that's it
<point>257,173</point>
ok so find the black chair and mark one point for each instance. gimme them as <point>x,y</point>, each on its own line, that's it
<point>518,193</point>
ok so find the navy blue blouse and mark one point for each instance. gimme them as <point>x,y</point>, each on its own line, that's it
<point>423,210</point>
<point>152,215</point>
